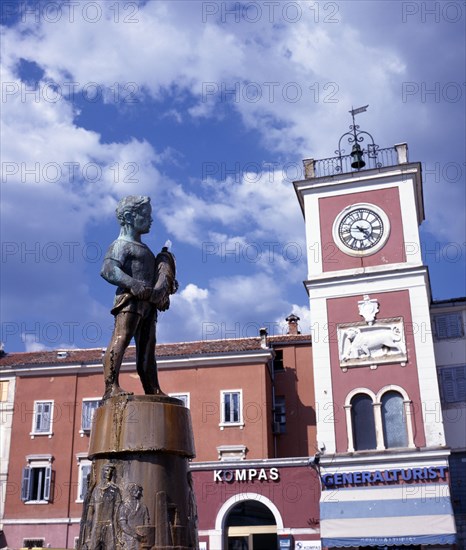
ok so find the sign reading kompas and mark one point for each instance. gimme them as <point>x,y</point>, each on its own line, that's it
<point>244,474</point>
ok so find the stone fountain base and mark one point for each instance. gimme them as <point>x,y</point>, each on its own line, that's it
<point>140,493</point>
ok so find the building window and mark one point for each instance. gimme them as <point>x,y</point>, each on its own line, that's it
<point>448,325</point>
<point>182,397</point>
<point>394,420</point>
<point>89,408</point>
<point>33,543</point>
<point>84,466</point>
<point>453,384</point>
<point>231,408</point>
<point>278,365</point>
<point>362,416</point>
<point>4,391</point>
<point>379,422</point>
<point>279,426</point>
<point>37,481</point>
<point>43,416</point>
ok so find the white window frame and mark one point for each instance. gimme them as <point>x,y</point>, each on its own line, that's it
<point>224,423</point>
<point>377,407</point>
<point>85,430</point>
<point>36,462</point>
<point>34,431</point>
<point>83,462</point>
<point>183,396</point>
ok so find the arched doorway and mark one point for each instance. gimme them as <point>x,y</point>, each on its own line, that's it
<point>250,525</point>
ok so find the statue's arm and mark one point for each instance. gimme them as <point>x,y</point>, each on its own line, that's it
<point>112,272</point>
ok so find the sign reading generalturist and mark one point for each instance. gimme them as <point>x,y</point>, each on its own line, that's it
<point>394,475</point>
<point>247,474</point>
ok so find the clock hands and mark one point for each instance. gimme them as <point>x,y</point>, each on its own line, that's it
<point>364,230</point>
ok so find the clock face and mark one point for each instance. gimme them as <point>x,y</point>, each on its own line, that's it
<point>361,229</point>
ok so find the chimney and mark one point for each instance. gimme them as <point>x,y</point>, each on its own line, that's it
<point>263,336</point>
<point>292,321</point>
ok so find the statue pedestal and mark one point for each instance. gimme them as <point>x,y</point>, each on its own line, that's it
<point>143,441</point>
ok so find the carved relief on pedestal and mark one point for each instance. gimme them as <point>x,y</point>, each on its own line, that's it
<point>133,520</point>
<point>373,342</point>
<point>99,523</point>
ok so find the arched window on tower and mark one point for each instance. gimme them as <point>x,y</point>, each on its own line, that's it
<point>394,420</point>
<point>362,417</point>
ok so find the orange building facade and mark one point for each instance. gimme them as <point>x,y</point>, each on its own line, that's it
<point>252,408</point>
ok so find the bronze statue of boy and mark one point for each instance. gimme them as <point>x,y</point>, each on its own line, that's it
<point>145,283</point>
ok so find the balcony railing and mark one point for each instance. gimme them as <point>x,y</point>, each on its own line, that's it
<point>374,158</point>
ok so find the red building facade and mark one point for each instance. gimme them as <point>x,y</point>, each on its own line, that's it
<point>252,408</point>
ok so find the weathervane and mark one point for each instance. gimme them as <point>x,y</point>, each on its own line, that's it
<point>356,136</point>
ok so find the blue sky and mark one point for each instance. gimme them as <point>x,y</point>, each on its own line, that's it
<point>209,108</point>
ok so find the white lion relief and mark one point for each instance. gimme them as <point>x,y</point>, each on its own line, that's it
<point>361,344</point>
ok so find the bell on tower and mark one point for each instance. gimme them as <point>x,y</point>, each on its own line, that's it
<point>356,136</point>
<point>364,154</point>
<point>356,156</point>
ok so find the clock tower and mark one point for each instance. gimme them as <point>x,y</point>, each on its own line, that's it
<point>377,398</point>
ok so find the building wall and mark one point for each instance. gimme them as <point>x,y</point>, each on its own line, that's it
<point>295,493</point>
<point>7,395</point>
<point>204,385</point>
<point>344,310</point>
<point>58,520</point>
<point>296,382</point>
<point>450,356</point>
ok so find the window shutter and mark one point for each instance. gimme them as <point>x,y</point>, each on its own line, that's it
<point>25,484</point>
<point>461,383</point>
<point>449,384</point>
<point>47,483</point>
<point>449,326</point>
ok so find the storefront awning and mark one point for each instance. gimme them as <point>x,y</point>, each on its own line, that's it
<point>399,515</point>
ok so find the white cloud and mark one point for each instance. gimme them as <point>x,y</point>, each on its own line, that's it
<point>193,293</point>
<point>208,70</point>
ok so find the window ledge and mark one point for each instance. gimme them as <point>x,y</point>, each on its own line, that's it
<point>82,432</point>
<point>39,434</point>
<point>36,502</point>
<point>224,425</point>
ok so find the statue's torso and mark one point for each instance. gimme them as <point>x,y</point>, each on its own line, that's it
<point>135,259</point>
